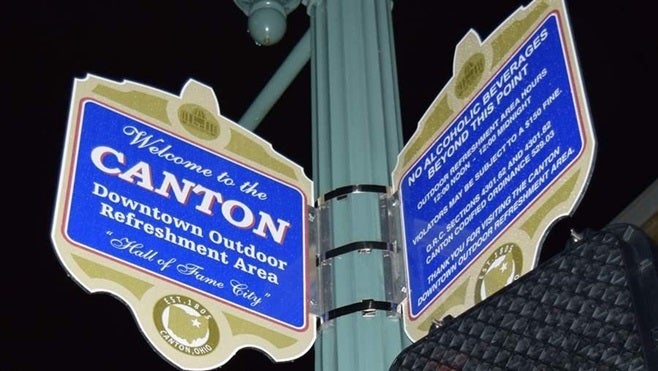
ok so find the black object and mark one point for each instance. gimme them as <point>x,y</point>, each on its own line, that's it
<point>593,306</point>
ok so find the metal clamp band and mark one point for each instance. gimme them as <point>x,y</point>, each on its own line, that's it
<point>355,188</point>
<point>367,308</point>
<point>380,242</point>
<point>358,245</point>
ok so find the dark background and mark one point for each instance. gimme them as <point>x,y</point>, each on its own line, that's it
<point>51,321</point>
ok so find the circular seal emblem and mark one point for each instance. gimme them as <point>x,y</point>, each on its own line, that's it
<point>198,121</point>
<point>186,325</point>
<point>499,270</point>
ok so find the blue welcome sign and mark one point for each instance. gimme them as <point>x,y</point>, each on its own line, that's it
<point>177,210</point>
<point>173,214</point>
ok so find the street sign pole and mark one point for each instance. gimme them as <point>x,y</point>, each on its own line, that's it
<point>204,230</point>
<point>356,139</point>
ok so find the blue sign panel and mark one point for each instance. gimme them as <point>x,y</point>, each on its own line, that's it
<point>511,142</point>
<point>174,209</point>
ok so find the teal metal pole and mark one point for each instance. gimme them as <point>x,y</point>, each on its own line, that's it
<point>356,138</point>
<point>277,84</point>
